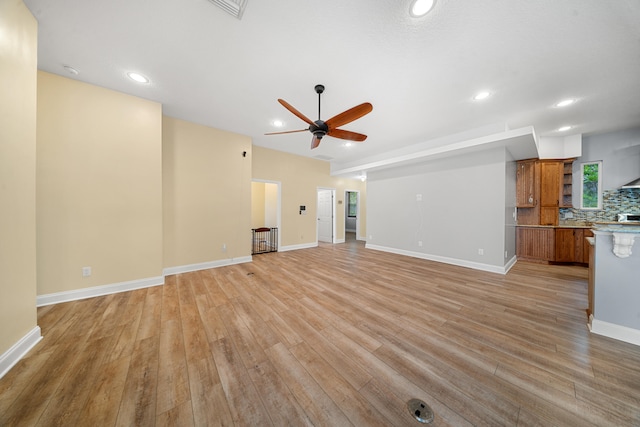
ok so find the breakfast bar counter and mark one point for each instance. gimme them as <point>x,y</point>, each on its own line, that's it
<point>615,281</point>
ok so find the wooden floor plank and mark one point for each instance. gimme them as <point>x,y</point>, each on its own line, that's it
<point>332,335</point>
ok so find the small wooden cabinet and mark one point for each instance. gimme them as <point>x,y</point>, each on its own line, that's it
<point>565,244</point>
<point>535,243</point>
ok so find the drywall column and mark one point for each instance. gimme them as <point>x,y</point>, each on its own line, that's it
<point>18,82</point>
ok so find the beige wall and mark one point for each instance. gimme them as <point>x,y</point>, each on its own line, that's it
<point>207,194</point>
<point>18,81</point>
<point>258,200</point>
<point>300,178</point>
<point>99,186</point>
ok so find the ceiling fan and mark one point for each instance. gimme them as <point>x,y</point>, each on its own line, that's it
<point>320,128</point>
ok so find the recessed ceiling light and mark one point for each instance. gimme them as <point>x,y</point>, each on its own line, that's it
<point>421,7</point>
<point>70,70</point>
<point>348,144</point>
<point>481,95</point>
<point>278,123</point>
<point>564,128</point>
<point>565,102</point>
<point>138,77</point>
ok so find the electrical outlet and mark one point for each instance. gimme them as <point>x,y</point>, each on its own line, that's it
<point>480,251</point>
<point>86,271</point>
<point>418,197</point>
<point>224,247</point>
<point>420,243</point>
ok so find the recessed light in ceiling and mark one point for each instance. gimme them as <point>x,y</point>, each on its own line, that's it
<point>564,128</point>
<point>481,95</point>
<point>278,123</point>
<point>69,69</point>
<point>421,7</point>
<point>138,77</point>
<point>565,102</point>
<point>348,144</point>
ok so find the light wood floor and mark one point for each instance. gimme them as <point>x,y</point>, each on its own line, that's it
<point>330,336</point>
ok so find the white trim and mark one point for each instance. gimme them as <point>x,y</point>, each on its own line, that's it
<point>437,258</point>
<point>510,264</point>
<point>19,350</point>
<point>340,241</point>
<point>78,294</point>
<point>617,332</point>
<point>205,265</point>
<point>296,247</point>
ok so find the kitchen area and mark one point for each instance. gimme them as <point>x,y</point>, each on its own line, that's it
<point>559,223</point>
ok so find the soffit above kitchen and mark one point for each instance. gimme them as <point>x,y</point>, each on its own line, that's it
<point>420,74</point>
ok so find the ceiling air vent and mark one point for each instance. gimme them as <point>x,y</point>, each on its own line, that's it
<point>232,7</point>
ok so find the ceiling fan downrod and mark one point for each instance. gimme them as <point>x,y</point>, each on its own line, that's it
<point>319,90</point>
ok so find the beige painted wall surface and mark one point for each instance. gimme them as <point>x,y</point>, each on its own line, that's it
<point>258,191</point>
<point>301,177</point>
<point>206,192</point>
<point>99,186</point>
<point>18,81</point>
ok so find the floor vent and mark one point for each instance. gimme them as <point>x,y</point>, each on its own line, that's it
<point>420,411</point>
<point>232,7</point>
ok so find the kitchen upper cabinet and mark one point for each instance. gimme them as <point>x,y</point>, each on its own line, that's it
<point>526,195</point>
<point>542,188</point>
<point>550,184</point>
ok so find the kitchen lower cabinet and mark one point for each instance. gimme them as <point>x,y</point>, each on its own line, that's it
<point>535,243</point>
<point>553,244</point>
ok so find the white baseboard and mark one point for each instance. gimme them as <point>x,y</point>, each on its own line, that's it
<point>296,247</point>
<point>205,265</point>
<point>437,258</point>
<point>78,294</point>
<point>19,350</point>
<point>510,264</point>
<point>617,332</point>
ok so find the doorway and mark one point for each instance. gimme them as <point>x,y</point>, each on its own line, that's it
<point>351,214</point>
<point>326,215</point>
<point>265,205</point>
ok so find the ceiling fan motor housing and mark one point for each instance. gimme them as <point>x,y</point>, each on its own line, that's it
<point>320,128</point>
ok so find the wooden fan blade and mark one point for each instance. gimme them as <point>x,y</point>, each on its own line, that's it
<point>297,113</point>
<point>287,131</point>
<point>349,115</point>
<point>346,134</point>
<point>315,142</point>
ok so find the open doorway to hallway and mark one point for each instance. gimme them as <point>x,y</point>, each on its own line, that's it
<point>351,214</point>
<point>265,205</point>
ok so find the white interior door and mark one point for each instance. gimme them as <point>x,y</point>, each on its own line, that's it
<point>325,216</point>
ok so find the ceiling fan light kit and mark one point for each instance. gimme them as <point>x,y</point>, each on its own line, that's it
<point>320,128</point>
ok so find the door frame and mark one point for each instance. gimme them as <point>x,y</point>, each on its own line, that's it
<point>333,212</point>
<point>278,206</point>
<point>357,212</point>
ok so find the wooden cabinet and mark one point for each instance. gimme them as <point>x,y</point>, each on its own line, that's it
<point>526,195</point>
<point>542,188</point>
<point>535,243</point>
<point>550,184</point>
<point>565,245</point>
<point>553,244</point>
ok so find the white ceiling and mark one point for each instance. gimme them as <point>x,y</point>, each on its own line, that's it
<point>208,67</point>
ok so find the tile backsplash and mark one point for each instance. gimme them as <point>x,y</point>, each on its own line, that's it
<point>613,203</point>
